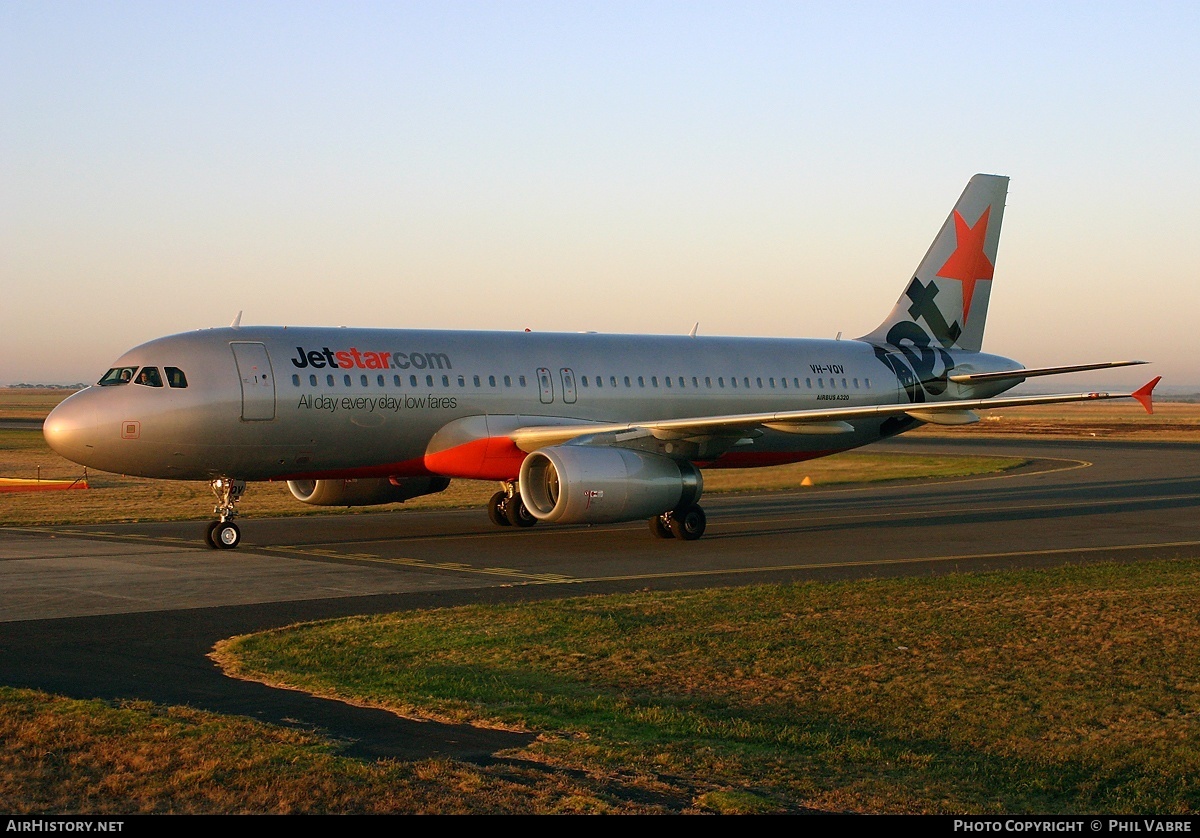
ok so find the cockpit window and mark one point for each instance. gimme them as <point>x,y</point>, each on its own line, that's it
<point>175,376</point>
<point>117,375</point>
<point>149,377</point>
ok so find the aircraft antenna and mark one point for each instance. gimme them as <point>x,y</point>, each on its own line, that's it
<point>237,321</point>
<point>692,333</point>
<point>839,336</point>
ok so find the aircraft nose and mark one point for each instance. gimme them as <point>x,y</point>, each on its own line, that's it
<point>71,428</point>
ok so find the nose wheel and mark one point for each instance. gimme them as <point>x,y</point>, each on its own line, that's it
<point>223,534</point>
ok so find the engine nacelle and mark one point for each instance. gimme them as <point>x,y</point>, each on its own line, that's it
<point>368,492</point>
<point>581,484</point>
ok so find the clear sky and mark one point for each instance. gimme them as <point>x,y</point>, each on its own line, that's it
<point>762,168</point>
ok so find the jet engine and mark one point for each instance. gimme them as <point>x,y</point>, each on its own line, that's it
<point>366,492</point>
<point>581,484</point>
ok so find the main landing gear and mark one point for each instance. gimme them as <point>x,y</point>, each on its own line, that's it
<point>686,524</point>
<point>222,533</point>
<point>506,509</point>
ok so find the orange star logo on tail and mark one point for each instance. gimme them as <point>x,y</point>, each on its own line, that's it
<point>968,263</point>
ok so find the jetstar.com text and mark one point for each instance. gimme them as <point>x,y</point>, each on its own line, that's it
<point>356,358</point>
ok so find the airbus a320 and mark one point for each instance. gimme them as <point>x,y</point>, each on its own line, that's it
<point>576,428</point>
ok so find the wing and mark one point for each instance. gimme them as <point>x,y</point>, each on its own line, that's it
<point>820,421</point>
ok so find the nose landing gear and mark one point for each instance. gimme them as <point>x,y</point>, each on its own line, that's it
<point>222,533</point>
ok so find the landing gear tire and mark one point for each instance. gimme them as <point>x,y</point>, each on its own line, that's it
<point>518,513</point>
<point>209,538</point>
<point>226,535</point>
<point>688,524</point>
<point>222,533</point>
<point>661,527</point>
<point>496,510</point>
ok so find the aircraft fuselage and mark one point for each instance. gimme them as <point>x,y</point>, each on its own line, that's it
<point>287,403</point>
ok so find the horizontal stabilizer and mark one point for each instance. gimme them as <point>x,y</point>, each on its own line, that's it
<point>976,377</point>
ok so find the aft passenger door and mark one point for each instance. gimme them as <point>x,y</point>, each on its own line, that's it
<point>258,383</point>
<point>568,384</point>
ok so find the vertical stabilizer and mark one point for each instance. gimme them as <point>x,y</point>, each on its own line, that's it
<point>946,300</point>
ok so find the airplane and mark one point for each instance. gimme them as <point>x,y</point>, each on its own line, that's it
<point>578,428</point>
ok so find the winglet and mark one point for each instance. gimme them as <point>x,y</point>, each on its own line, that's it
<point>1144,395</point>
<point>237,321</point>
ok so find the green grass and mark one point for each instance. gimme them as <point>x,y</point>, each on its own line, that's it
<point>1069,691</point>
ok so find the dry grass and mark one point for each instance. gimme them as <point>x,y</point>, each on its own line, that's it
<point>29,402</point>
<point>61,756</point>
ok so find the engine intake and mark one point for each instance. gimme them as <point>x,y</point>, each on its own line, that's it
<point>368,492</point>
<point>580,484</point>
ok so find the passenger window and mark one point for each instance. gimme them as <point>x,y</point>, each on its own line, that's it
<point>476,380</point>
<point>295,381</point>
<point>733,382</point>
<point>329,380</point>
<point>721,382</point>
<point>117,375</point>
<point>599,381</point>
<point>521,380</point>
<point>346,380</point>
<point>396,380</point>
<point>507,381</point>
<point>491,381</point>
<point>429,381</point>
<point>583,380</point>
<point>626,381</point>
<point>462,381</point>
<point>867,383</point>
<point>759,380</point>
<point>379,380</point>
<point>445,381</point>
<point>362,380</point>
<point>149,377</point>
<point>412,380</point>
<point>666,380</point>
<point>175,377</point>
<point>708,382</point>
<point>641,381</point>
<point>312,381</point>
